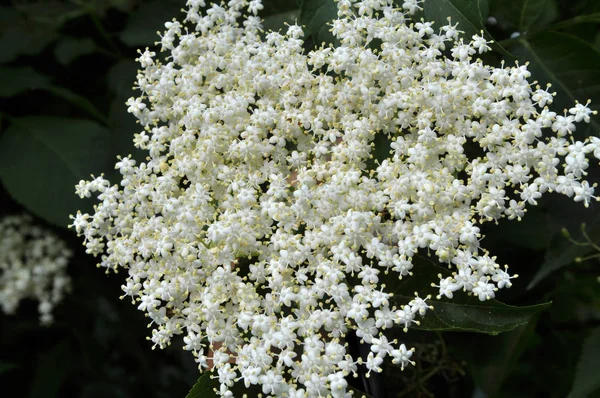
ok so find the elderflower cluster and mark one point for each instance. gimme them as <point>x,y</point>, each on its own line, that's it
<point>281,184</point>
<point>33,265</point>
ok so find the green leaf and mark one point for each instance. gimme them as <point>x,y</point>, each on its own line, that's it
<point>70,48</point>
<point>535,231</point>
<point>77,101</point>
<point>531,11</point>
<point>42,158</point>
<point>7,366</point>
<point>204,387</point>
<point>52,370</point>
<point>522,15</point>
<point>14,81</point>
<point>317,15</point>
<point>143,24</point>
<point>569,64</point>
<point>123,124</point>
<point>464,313</point>
<point>277,21</point>
<point>471,315</point>
<point>470,15</point>
<point>586,376</point>
<point>18,37</point>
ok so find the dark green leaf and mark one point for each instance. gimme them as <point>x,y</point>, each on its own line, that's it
<point>470,15</point>
<point>123,124</point>
<point>7,366</point>
<point>535,231</point>
<point>463,313</point>
<point>521,15</point>
<point>71,48</point>
<point>52,369</point>
<point>531,11</point>
<point>471,315</point>
<point>14,81</point>
<point>42,158</point>
<point>145,22</point>
<point>570,64</point>
<point>77,101</point>
<point>204,387</point>
<point>586,376</point>
<point>317,15</point>
<point>277,22</point>
<point>18,37</point>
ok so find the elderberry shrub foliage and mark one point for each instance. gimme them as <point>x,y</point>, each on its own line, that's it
<point>286,180</point>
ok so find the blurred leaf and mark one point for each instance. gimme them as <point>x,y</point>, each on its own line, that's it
<point>122,76</point>
<point>522,15</point>
<point>7,366</point>
<point>276,22</point>
<point>586,376</point>
<point>77,101</point>
<point>52,369</point>
<point>535,231</point>
<point>123,124</point>
<point>464,313</point>
<point>570,64</point>
<point>470,15</point>
<point>49,13</point>
<point>508,348</point>
<point>317,15</point>
<point>42,158</point>
<point>15,81</point>
<point>143,23</point>
<point>71,48</point>
<point>20,37</point>
<point>530,12</point>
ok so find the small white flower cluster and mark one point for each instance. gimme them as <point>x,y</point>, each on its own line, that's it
<point>260,223</point>
<point>33,265</point>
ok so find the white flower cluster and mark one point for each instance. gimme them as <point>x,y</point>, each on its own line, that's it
<point>33,265</point>
<point>260,223</point>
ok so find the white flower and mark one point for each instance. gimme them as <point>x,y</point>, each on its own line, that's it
<point>33,265</point>
<point>260,201</point>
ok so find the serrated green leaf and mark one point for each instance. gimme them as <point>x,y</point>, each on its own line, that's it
<point>70,48</point>
<point>569,64</point>
<point>470,15</point>
<point>204,387</point>
<point>76,100</point>
<point>463,313</point>
<point>317,16</point>
<point>471,315</point>
<point>42,158</point>
<point>586,376</point>
<point>14,81</point>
